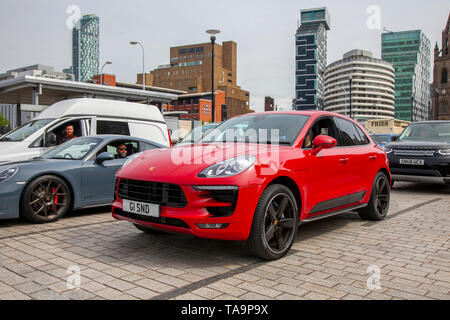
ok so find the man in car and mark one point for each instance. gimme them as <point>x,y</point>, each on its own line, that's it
<point>69,133</point>
<point>122,151</point>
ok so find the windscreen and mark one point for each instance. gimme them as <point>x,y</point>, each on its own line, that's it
<point>75,149</point>
<point>26,130</point>
<point>280,129</point>
<point>428,131</point>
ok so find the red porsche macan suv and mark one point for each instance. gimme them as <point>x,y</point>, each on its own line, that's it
<point>255,178</point>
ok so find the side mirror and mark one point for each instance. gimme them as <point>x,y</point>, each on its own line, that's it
<point>323,142</point>
<point>394,138</point>
<point>175,139</point>
<point>104,156</point>
<point>50,140</point>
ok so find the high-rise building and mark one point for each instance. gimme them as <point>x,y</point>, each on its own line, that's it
<point>311,58</point>
<point>441,83</point>
<point>269,104</point>
<point>190,70</point>
<point>85,48</point>
<point>372,87</point>
<point>410,53</point>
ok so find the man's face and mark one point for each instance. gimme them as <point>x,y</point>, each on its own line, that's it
<point>122,151</point>
<point>69,131</point>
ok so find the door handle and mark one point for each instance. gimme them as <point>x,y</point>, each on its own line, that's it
<point>372,157</point>
<point>343,160</point>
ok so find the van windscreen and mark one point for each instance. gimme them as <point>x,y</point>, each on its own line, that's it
<point>23,132</point>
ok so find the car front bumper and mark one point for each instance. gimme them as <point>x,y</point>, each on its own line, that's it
<point>10,193</point>
<point>236,226</point>
<point>436,169</point>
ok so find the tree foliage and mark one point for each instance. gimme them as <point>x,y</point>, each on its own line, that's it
<point>3,122</point>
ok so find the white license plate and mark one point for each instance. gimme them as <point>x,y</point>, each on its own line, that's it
<point>146,209</point>
<point>413,162</point>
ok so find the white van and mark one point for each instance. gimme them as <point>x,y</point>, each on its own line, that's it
<point>88,117</point>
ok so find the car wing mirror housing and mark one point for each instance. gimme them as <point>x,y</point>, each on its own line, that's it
<point>323,142</point>
<point>104,156</point>
<point>394,138</point>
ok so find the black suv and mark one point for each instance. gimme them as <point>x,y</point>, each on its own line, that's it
<point>421,153</point>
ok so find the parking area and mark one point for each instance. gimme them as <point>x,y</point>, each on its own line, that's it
<point>89,255</point>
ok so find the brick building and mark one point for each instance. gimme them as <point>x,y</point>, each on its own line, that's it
<point>269,104</point>
<point>198,106</point>
<point>441,83</point>
<point>190,70</point>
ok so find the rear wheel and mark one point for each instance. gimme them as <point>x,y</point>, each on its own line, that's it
<point>45,199</point>
<point>274,223</point>
<point>378,205</point>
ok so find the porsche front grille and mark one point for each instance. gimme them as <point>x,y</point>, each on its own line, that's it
<point>164,194</point>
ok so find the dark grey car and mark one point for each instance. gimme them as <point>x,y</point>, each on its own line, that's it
<point>79,173</point>
<point>421,153</point>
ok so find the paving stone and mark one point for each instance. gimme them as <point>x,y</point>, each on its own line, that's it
<point>29,287</point>
<point>47,294</point>
<point>142,293</point>
<point>109,293</point>
<point>329,259</point>
<point>14,295</point>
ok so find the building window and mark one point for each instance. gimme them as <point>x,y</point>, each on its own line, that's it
<point>444,76</point>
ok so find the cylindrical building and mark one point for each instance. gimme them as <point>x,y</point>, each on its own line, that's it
<point>367,81</point>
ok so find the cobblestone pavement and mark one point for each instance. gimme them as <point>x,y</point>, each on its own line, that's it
<point>335,258</point>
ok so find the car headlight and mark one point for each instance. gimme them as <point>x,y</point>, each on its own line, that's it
<point>8,173</point>
<point>444,152</point>
<point>229,167</point>
<point>387,150</point>
<point>131,158</point>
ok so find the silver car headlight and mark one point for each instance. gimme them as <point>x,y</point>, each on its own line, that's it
<point>229,167</point>
<point>444,152</point>
<point>8,173</point>
<point>387,150</point>
<point>131,158</point>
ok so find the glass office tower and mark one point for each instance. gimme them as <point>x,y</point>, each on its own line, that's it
<point>85,48</point>
<point>410,53</point>
<point>311,58</point>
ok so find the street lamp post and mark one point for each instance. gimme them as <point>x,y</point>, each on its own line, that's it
<point>412,108</point>
<point>101,71</point>
<point>350,79</point>
<point>213,99</point>
<point>133,43</point>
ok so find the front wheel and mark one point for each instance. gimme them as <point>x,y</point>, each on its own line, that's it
<point>378,205</point>
<point>45,199</point>
<point>274,224</point>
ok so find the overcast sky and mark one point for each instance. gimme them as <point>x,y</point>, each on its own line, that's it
<point>36,32</point>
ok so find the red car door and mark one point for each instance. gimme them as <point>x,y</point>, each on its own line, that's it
<point>326,174</point>
<point>357,149</point>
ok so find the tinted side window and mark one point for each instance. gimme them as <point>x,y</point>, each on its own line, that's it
<point>112,127</point>
<point>349,135</point>
<point>147,146</point>
<point>363,138</point>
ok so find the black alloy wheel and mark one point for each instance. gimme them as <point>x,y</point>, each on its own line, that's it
<point>378,205</point>
<point>274,224</point>
<point>45,199</point>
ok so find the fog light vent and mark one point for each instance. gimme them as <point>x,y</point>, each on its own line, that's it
<point>212,225</point>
